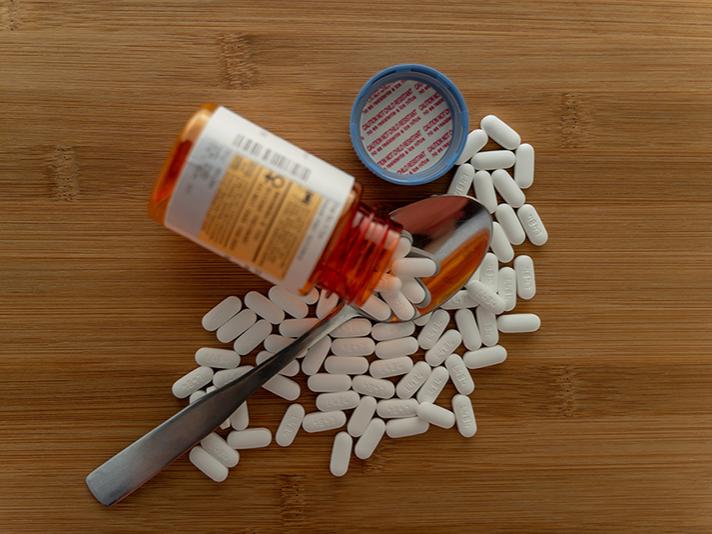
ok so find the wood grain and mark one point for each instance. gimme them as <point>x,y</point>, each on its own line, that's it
<point>601,421</point>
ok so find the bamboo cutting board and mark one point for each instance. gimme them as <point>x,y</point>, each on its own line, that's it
<point>600,421</point>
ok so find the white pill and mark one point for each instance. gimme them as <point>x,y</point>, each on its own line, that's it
<point>397,408</point>
<point>484,190</point>
<point>289,425</point>
<point>196,395</point>
<point>395,348</point>
<point>218,448</point>
<point>240,418</point>
<point>414,267</point>
<point>274,342</point>
<point>192,382</point>
<point>467,327</point>
<point>459,374</point>
<point>377,309</point>
<point>388,282</point>
<point>422,320</point>
<point>341,454</point>
<point>518,323</point>
<point>388,331</point>
<point>403,428</point>
<point>361,416</point>
<point>526,280</point>
<point>459,301</point>
<point>487,323</point>
<point>462,180</point>
<point>524,167</point>
<point>236,326</point>
<point>221,313</point>
<point>485,357</point>
<point>433,385</point>
<point>296,327</point>
<point>436,415</point>
<point>373,387</point>
<point>208,465</point>
<point>346,365</point>
<point>507,287</point>
<point>500,132</point>
<point>508,188</point>
<point>328,383</point>
<point>500,245</point>
<point>217,358</point>
<point>410,383</point>
<point>494,159</point>
<point>291,369</point>
<point>264,307</point>
<point>464,415</point>
<point>312,297</point>
<point>226,376</point>
<point>489,271</point>
<point>485,297</point>
<point>476,140</point>
<point>401,306</point>
<point>252,337</point>
<point>250,438</point>
<point>283,387</point>
<point>323,421</point>
<point>534,228</point>
<point>315,356</point>
<point>508,220</point>
<point>445,346</point>
<point>353,346</point>
<point>414,291</point>
<point>402,249</point>
<point>370,439</point>
<point>289,302</point>
<point>432,331</point>
<point>358,327</point>
<point>327,302</point>
<point>339,400</point>
<point>391,367</point>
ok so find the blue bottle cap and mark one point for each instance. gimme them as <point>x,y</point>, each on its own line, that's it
<point>409,124</point>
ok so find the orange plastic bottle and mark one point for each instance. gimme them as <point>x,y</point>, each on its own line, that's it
<point>271,207</point>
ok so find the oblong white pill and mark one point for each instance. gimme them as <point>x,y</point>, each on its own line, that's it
<point>296,327</point>
<point>487,323</point>
<point>402,249</point>
<point>445,346</point>
<point>250,438</point>
<point>376,308</point>
<point>459,374</point>
<point>434,328</point>
<point>291,369</point>
<point>283,387</point>
<point>264,307</point>
<point>346,365</point>
<point>217,358</point>
<point>500,245</point>
<point>327,302</point>
<point>396,408</point>
<point>489,271</point>
<point>436,415</point>
<point>414,291</point>
<point>410,383</point>
<point>485,357</point>
<point>289,425</point>
<point>221,313</point>
<point>361,416</point>
<point>274,342</point>
<point>315,356</point>
<point>373,387</point>
<point>353,346</point>
<point>462,180</point>
<point>323,421</point>
<point>388,331</point>
<point>476,140</point>
<point>192,382</point>
<point>414,267</point>
<point>459,301</point>
<point>339,400</point>
<point>357,327</point>
<point>218,448</point>
<point>433,385</point>
<point>493,159</point>
<point>518,323</point>
<point>312,297</point>
<point>508,188</point>
<point>534,228</point>
<point>484,190</point>
<point>524,167</point>
<point>526,279</point>
<point>370,439</point>
<point>401,306</point>
<point>341,454</point>
<point>408,426</point>
<point>226,376</point>
<point>467,327</point>
<point>236,326</point>
<point>207,464</point>
<point>500,132</point>
<point>252,337</point>
<point>507,287</point>
<point>508,220</point>
<point>240,418</point>
<point>199,394</point>
<point>464,415</point>
<point>388,282</point>
<point>485,297</point>
<point>395,348</point>
<point>288,301</point>
<point>328,383</point>
<point>391,367</point>
<point>422,320</point>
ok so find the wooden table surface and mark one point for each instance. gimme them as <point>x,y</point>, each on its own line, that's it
<point>600,421</point>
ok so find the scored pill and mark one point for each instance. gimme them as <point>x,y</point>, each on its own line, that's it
<point>411,382</point>
<point>422,320</point>
<point>401,306</point>
<point>394,348</point>
<point>353,328</point>
<point>494,159</point>
<point>192,382</point>
<point>414,291</point>
<point>459,374</point>
<point>296,327</point>
<point>485,297</point>
<point>240,418</point>
<point>464,415</point>
<point>288,301</point>
<point>376,308</point>
<point>433,385</point>
<point>340,454</point>
<point>397,408</point>
<point>207,464</point>
<point>315,356</point>
<point>524,167</point>
<point>436,415</point>
<point>500,132</point>
<point>250,438</point>
<point>373,387</point>
<point>289,425</point>
<point>459,301</point>
<point>218,448</point>
<point>489,271</point>
<point>370,439</point>
<point>485,357</point>
<point>445,346</point>
<point>264,307</point>
<point>476,140</point>
<point>388,331</point>
<point>508,220</point>
<point>507,287</point>
<point>518,323</point>
<point>323,421</point>
<point>252,337</point>
<point>414,267</point>
<point>226,376</point>
<point>353,346</point>
<point>526,280</point>
<point>391,367</point>
<point>339,400</point>
<point>408,426</point>
<point>217,358</point>
<point>236,326</point>
<point>283,387</point>
<point>467,327</point>
<point>291,369</point>
<point>534,228</point>
<point>346,365</point>
<point>500,245</point>
<point>361,416</point>
<point>221,313</point>
<point>487,323</point>
<point>484,190</point>
<point>508,188</point>
<point>327,383</point>
<point>462,180</point>
<point>434,328</point>
<point>327,302</point>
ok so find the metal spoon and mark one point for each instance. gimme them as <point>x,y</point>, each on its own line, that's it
<point>455,230</point>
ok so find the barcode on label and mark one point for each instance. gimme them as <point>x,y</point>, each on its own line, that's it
<point>257,151</point>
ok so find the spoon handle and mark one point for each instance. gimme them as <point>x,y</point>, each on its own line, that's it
<point>147,456</point>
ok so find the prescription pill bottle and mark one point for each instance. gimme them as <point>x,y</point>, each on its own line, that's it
<point>271,207</point>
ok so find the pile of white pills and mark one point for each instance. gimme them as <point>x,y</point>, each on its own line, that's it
<point>375,370</point>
